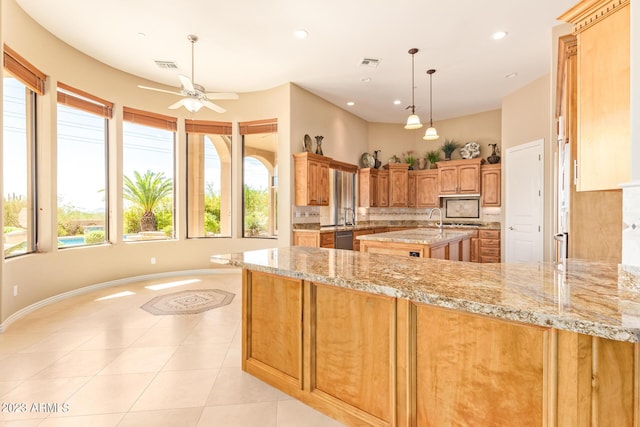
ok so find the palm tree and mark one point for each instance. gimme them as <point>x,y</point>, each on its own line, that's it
<point>147,191</point>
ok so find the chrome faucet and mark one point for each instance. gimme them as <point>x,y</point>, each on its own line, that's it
<point>349,219</point>
<point>440,212</point>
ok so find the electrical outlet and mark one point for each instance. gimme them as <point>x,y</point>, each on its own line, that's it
<point>153,260</point>
<point>15,290</point>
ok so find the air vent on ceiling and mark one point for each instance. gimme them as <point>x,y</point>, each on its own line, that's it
<point>370,62</point>
<point>167,65</point>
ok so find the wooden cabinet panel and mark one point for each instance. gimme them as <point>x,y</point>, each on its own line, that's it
<point>489,246</point>
<point>398,184</point>
<point>368,187</point>
<point>427,189</point>
<point>352,350</point>
<point>274,332</point>
<point>491,177</point>
<point>478,370</point>
<point>412,180</point>
<point>356,233</point>
<point>383,188</point>
<point>327,239</point>
<point>603,32</point>
<point>306,238</point>
<point>459,177</point>
<point>311,179</point>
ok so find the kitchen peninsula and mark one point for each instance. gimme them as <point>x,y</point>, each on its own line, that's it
<point>381,340</point>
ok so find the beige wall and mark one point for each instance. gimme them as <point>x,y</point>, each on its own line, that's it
<point>526,117</point>
<point>393,139</point>
<point>345,135</point>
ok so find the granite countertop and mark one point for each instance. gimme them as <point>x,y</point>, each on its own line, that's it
<point>432,225</point>
<point>593,298</point>
<point>420,236</point>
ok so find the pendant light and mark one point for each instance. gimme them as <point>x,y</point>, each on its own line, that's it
<point>413,122</point>
<point>431,132</point>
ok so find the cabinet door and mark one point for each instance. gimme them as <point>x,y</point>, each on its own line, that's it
<point>322,184</point>
<point>412,179</point>
<point>308,239</point>
<point>469,179</point>
<point>603,103</point>
<point>448,179</point>
<point>383,188</point>
<point>313,176</point>
<point>491,182</point>
<point>398,181</point>
<point>427,190</point>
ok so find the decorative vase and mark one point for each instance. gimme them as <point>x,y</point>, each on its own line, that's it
<point>378,163</point>
<point>493,158</point>
<point>447,156</point>
<point>319,145</point>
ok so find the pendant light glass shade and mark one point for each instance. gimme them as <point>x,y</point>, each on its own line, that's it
<point>413,121</point>
<point>431,132</point>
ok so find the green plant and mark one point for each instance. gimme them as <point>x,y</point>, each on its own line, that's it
<point>95,236</point>
<point>147,191</point>
<point>410,157</point>
<point>433,156</point>
<point>449,147</point>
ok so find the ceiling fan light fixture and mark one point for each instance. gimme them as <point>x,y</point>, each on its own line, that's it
<point>413,121</point>
<point>192,104</point>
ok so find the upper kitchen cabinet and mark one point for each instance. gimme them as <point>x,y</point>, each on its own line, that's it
<point>459,177</point>
<point>491,177</point>
<point>311,179</point>
<point>368,187</point>
<point>602,31</point>
<point>427,189</point>
<point>398,184</point>
<point>383,188</point>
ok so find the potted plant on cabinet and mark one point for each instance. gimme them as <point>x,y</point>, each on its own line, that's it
<point>433,157</point>
<point>449,147</point>
<point>410,158</point>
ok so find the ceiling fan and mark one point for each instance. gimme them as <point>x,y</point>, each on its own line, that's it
<point>194,94</point>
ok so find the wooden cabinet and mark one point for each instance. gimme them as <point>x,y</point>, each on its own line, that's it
<point>356,233</point>
<point>489,246</point>
<point>383,188</point>
<point>368,187</point>
<point>412,189</point>
<point>491,177</point>
<point>311,179</point>
<point>602,28</point>
<point>459,177</point>
<point>398,184</point>
<point>427,189</point>
<point>314,239</point>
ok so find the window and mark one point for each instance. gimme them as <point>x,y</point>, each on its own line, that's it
<point>208,179</point>
<point>22,82</point>
<point>260,178</point>
<point>82,151</point>
<point>148,166</point>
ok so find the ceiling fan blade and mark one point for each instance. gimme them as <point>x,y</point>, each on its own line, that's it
<point>210,105</point>
<point>176,105</point>
<point>158,90</point>
<point>186,82</point>
<point>222,95</point>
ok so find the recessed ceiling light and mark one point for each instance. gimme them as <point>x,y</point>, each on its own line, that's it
<point>365,79</point>
<point>301,34</point>
<point>499,35</point>
<point>397,102</point>
<point>510,75</point>
<point>141,34</point>
<point>351,103</point>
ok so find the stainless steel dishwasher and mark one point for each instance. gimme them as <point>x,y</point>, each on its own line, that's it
<point>344,240</point>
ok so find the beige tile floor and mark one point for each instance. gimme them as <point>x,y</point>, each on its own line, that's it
<point>109,363</point>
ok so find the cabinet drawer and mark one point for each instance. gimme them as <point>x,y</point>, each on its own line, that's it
<point>488,259</point>
<point>491,252</point>
<point>490,243</point>
<point>327,240</point>
<point>490,234</point>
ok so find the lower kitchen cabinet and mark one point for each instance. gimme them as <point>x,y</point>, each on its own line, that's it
<point>314,239</point>
<point>489,246</point>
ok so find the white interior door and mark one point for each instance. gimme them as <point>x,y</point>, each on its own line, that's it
<point>524,202</point>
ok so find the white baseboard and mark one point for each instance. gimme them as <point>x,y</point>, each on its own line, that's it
<point>84,290</point>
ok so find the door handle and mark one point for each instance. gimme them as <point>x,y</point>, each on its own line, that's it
<point>511,228</point>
